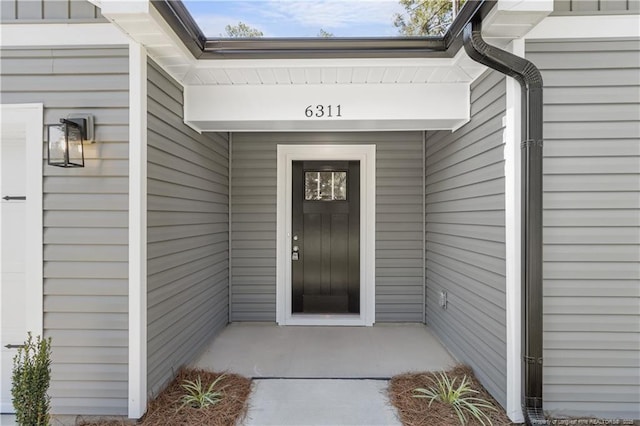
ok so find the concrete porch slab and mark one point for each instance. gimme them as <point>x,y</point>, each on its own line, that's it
<point>267,350</point>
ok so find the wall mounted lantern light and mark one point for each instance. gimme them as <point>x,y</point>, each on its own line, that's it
<point>66,140</point>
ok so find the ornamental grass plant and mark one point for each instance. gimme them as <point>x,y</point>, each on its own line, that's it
<point>414,411</point>
<point>459,395</point>
<point>169,408</point>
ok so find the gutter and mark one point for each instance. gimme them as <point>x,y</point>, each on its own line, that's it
<point>201,47</point>
<point>530,81</point>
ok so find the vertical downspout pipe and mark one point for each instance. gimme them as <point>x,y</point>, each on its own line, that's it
<point>530,81</point>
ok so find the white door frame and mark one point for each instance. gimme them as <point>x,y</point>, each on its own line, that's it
<point>366,154</point>
<point>30,116</point>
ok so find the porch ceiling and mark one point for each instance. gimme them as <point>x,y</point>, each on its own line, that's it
<point>460,69</point>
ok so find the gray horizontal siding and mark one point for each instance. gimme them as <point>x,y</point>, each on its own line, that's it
<point>399,227</point>
<point>593,7</point>
<point>49,11</point>
<point>188,233</point>
<point>591,226</point>
<point>465,238</point>
<point>85,224</point>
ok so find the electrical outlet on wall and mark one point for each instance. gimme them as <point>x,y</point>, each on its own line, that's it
<point>443,299</point>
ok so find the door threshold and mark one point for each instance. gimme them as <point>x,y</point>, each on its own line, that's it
<point>326,319</point>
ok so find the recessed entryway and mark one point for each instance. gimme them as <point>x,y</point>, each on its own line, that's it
<point>326,235</point>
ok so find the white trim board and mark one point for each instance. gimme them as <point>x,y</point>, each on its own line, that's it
<point>137,230</point>
<point>366,154</point>
<point>513,227</point>
<point>586,27</point>
<point>32,117</point>
<point>40,34</point>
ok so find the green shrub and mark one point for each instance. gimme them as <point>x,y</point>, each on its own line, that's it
<point>461,398</point>
<point>30,382</point>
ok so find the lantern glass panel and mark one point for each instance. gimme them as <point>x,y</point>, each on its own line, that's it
<point>65,144</point>
<point>74,145</point>
<point>57,145</point>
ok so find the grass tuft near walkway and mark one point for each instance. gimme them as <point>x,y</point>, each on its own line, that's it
<point>168,409</point>
<point>416,411</point>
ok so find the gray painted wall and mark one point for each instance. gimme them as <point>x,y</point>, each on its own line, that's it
<point>591,226</point>
<point>188,233</point>
<point>399,222</point>
<point>49,10</point>
<point>595,7</point>
<point>85,222</point>
<point>465,236</point>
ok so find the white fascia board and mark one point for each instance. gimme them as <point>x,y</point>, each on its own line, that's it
<point>127,7</point>
<point>586,27</point>
<point>362,107</point>
<point>22,35</point>
<point>326,126</point>
<point>526,5</point>
<point>323,62</point>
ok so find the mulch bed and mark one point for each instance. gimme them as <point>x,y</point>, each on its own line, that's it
<point>165,409</point>
<point>416,411</point>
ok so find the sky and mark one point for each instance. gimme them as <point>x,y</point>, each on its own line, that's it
<point>298,18</point>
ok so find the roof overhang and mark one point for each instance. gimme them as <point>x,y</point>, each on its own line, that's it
<point>375,70</point>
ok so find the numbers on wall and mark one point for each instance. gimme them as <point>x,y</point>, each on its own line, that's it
<point>323,111</point>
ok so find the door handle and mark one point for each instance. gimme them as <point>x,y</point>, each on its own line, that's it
<point>17,197</point>
<point>13,346</point>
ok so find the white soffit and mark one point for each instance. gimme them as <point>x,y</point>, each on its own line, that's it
<point>330,71</point>
<point>142,23</point>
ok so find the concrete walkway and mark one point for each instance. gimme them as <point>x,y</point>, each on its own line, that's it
<point>320,402</point>
<point>322,376</point>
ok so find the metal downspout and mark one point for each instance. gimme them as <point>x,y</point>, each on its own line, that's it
<point>530,80</point>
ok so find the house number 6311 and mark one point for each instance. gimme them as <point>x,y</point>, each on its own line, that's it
<point>320,111</point>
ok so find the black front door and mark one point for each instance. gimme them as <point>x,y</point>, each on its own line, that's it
<point>325,255</point>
